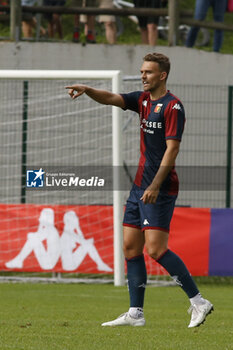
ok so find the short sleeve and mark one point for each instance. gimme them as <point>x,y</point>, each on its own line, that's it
<point>174,116</point>
<point>131,100</point>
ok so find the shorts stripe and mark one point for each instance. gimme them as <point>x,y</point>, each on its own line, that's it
<point>148,216</point>
<point>155,228</point>
<point>129,225</point>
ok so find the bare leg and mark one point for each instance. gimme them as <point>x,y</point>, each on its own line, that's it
<point>152,34</point>
<point>156,242</point>
<point>58,25</point>
<point>91,24</point>
<point>27,28</point>
<point>90,30</point>
<point>110,32</point>
<point>133,242</point>
<point>50,29</point>
<point>76,33</point>
<point>144,36</point>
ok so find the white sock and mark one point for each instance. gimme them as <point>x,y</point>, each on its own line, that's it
<point>197,299</point>
<point>136,312</point>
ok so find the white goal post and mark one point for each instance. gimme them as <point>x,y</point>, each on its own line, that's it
<point>115,77</point>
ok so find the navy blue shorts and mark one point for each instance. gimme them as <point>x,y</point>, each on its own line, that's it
<point>143,21</point>
<point>149,216</point>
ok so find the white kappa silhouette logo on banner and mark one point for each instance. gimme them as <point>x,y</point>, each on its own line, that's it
<point>57,246</point>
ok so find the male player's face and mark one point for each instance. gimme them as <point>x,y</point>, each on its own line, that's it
<point>151,76</point>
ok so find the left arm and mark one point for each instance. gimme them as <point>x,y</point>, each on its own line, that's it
<point>168,161</point>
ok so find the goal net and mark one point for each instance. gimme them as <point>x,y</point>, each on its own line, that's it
<point>57,214</point>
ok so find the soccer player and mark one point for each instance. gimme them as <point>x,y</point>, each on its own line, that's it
<point>152,199</point>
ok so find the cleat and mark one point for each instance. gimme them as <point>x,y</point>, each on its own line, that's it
<point>76,37</point>
<point>90,39</point>
<point>199,313</point>
<point>125,320</point>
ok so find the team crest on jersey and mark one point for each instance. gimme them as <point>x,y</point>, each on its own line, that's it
<point>158,107</point>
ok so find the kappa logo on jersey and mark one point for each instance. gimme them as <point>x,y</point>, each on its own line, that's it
<point>144,103</point>
<point>158,107</point>
<point>145,222</point>
<point>177,106</point>
<point>35,178</point>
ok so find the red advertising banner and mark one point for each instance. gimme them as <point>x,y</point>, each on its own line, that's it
<point>63,238</point>
<point>190,236</point>
<point>56,238</point>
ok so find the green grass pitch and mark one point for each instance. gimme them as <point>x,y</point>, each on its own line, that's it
<point>68,317</point>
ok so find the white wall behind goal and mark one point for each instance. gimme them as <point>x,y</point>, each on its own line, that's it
<point>189,66</point>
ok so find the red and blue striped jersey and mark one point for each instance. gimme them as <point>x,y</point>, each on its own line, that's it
<point>160,120</point>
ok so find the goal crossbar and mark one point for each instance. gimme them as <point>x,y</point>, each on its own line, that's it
<point>59,74</point>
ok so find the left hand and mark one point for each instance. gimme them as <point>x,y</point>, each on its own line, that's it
<point>150,195</point>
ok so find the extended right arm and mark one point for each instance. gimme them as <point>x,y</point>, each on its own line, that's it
<point>100,96</point>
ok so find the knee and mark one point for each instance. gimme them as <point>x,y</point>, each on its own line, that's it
<point>151,26</point>
<point>155,251</point>
<point>131,250</point>
<point>127,249</point>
